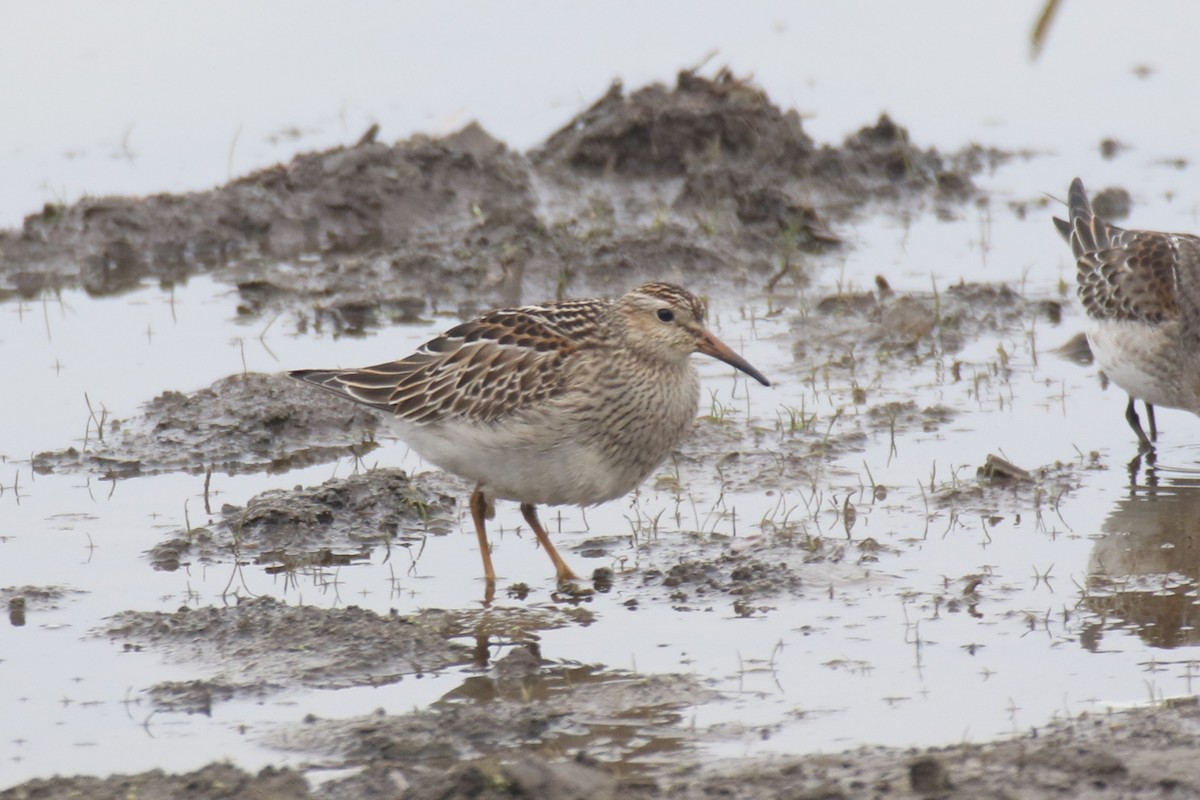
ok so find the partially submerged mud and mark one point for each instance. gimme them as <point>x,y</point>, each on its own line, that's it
<point>344,200</point>
<point>743,158</point>
<point>340,521</point>
<point>999,489</point>
<point>1132,754</point>
<point>20,601</point>
<point>518,706</point>
<point>851,350</point>
<point>244,423</point>
<point>213,781</point>
<point>893,325</point>
<point>259,646</point>
<point>350,237</point>
<point>746,583</point>
<point>38,597</point>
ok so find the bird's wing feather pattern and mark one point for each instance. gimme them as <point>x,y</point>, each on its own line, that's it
<point>1127,275</point>
<point>479,371</point>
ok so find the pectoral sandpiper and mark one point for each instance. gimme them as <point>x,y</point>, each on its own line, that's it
<point>1141,291</point>
<point>567,403</point>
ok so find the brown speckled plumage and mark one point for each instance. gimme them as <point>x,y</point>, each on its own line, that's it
<point>573,402</point>
<point>1141,292</point>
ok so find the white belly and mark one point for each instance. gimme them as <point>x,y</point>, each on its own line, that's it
<point>513,465</point>
<point>1144,360</point>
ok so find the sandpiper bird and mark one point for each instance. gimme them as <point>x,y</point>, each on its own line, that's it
<point>1141,291</point>
<point>568,403</point>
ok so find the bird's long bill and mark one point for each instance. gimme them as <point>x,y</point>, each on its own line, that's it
<point>712,346</point>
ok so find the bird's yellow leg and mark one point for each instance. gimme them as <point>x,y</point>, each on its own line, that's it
<point>479,507</point>
<point>529,511</point>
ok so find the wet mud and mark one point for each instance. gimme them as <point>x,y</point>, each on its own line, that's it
<point>519,707</point>
<point>707,182</point>
<point>350,236</point>
<point>259,645</point>
<point>338,522</point>
<point>24,600</point>
<point>241,424</point>
<point>1135,754</point>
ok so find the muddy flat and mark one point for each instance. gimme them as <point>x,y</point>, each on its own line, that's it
<point>924,563</point>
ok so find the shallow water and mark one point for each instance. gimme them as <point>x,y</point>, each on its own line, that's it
<point>867,653</point>
<point>1082,598</point>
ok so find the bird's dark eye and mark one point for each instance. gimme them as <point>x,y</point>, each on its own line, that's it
<point>666,315</point>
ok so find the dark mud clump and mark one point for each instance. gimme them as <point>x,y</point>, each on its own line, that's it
<point>694,585</point>
<point>521,706</point>
<point>707,182</point>
<point>213,782</point>
<point>190,697</point>
<point>366,197</point>
<point>530,776</point>
<point>907,415</point>
<point>38,597</point>
<point>1145,754</point>
<point>660,132</point>
<point>744,160</point>
<point>241,424</point>
<point>341,521</point>
<point>20,601</point>
<point>261,645</point>
<point>1114,203</point>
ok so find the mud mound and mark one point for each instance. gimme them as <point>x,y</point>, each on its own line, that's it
<point>520,707</point>
<point>746,162</point>
<point>661,132</point>
<point>1137,753</point>
<point>338,522</point>
<point>213,782</point>
<point>693,585</point>
<point>243,423</point>
<point>261,645</point>
<point>700,181</point>
<point>347,199</point>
